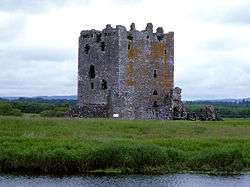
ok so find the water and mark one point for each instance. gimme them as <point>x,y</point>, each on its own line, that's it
<point>173,180</point>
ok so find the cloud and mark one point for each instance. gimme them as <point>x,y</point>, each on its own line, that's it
<point>128,2</point>
<point>32,78</point>
<point>39,42</point>
<point>222,44</point>
<point>238,14</point>
<point>35,6</point>
<point>38,54</point>
<point>11,26</point>
<point>227,12</point>
<point>217,75</point>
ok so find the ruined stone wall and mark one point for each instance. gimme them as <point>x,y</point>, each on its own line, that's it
<point>98,67</point>
<point>149,71</point>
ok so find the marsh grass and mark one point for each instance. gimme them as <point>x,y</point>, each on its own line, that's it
<point>60,146</point>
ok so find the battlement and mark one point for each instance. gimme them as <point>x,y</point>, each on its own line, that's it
<point>110,31</point>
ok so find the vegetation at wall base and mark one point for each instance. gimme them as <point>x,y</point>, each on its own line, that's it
<point>226,110</point>
<point>74,146</point>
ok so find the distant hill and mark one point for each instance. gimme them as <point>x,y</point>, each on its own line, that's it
<point>223,100</point>
<point>69,97</point>
<point>74,97</point>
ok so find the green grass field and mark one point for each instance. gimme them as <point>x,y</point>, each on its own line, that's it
<point>56,145</point>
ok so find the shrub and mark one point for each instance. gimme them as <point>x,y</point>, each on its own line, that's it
<point>7,110</point>
<point>52,113</point>
<point>226,159</point>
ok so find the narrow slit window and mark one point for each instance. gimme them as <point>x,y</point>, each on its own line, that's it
<point>102,46</point>
<point>104,85</point>
<point>130,37</point>
<point>92,85</point>
<point>155,73</point>
<point>160,38</point>
<point>92,71</point>
<point>98,37</point>
<point>86,48</point>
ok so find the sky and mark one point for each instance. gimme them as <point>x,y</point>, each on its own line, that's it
<point>39,42</point>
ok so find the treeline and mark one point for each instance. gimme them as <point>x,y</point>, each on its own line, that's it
<point>225,109</point>
<point>6,109</point>
<point>240,103</point>
<point>46,108</point>
<point>57,107</point>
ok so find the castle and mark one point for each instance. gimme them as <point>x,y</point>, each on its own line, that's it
<point>127,74</point>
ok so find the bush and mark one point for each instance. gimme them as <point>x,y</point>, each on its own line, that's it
<point>225,111</point>
<point>7,110</point>
<point>226,159</point>
<point>52,113</point>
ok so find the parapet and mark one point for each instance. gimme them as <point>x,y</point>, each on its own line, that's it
<point>110,31</point>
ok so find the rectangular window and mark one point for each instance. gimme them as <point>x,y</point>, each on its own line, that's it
<point>92,85</point>
<point>102,46</point>
<point>155,73</point>
<point>128,46</point>
<point>86,48</point>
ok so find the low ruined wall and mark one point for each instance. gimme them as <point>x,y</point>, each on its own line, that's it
<point>90,111</point>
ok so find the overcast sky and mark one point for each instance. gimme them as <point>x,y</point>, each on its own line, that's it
<point>39,41</point>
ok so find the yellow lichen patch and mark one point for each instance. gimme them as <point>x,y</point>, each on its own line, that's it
<point>130,69</point>
<point>165,59</point>
<point>168,84</point>
<point>130,82</point>
<point>166,76</point>
<point>157,50</point>
<point>132,53</point>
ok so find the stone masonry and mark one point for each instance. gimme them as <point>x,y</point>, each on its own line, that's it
<point>127,74</point>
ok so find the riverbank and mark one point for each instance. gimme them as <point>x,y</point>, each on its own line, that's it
<point>74,146</point>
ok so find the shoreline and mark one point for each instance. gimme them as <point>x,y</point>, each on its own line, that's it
<point>115,172</point>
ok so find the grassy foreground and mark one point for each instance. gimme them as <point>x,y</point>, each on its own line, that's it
<point>61,146</point>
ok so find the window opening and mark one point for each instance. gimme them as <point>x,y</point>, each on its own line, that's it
<point>155,73</point>
<point>98,37</point>
<point>104,85</point>
<point>102,46</point>
<point>155,92</point>
<point>92,71</point>
<point>86,48</point>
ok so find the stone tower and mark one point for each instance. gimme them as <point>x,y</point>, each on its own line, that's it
<point>126,74</point>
